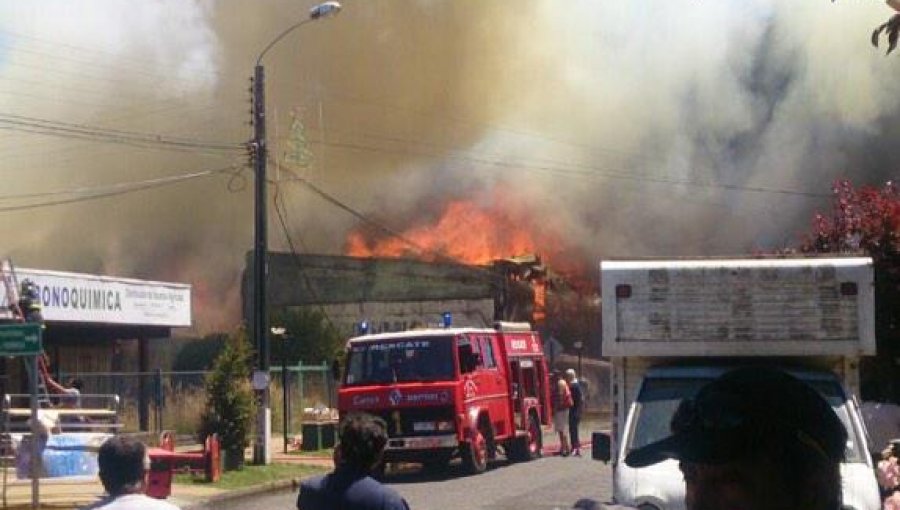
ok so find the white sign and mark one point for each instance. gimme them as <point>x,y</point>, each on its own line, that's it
<point>260,380</point>
<point>76,297</point>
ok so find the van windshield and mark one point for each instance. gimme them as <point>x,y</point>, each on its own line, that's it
<point>660,396</point>
<point>407,360</point>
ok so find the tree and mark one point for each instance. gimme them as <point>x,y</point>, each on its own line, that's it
<point>868,220</point>
<point>311,338</point>
<point>199,353</point>
<point>229,405</point>
<point>890,28</point>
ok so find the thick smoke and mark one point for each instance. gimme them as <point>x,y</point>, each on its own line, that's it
<point>630,128</point>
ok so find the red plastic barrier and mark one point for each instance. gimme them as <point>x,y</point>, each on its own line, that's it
<point>165,460</point>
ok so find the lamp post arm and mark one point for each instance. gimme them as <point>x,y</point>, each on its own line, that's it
<point>281,36</point>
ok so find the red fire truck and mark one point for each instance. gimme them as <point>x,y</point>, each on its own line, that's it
<point>452,392</point>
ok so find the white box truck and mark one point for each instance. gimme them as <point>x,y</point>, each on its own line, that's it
<point>670,326</point>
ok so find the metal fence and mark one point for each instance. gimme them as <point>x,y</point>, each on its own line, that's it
<point>167,400</point>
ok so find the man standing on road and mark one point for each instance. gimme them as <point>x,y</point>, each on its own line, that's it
<point>123,470</point>
<point>361,441</point>
<point>754,439</point>
<point>575,411</point>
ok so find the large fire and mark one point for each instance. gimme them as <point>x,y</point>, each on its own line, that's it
<point>466,232</point>
<point>470,233</point>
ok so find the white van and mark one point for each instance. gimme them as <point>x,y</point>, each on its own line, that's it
<point>670,326</point>
<point>661,486</point>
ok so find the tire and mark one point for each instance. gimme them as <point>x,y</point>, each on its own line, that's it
<point>528,447</point>
<point>474,454</point>
<point>535,442</point>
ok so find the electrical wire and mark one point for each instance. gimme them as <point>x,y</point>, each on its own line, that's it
<point>99,192</point>
<point>279,206</point>
<point>589,172</point>
<point>489,274</point>
<point>83,131</point>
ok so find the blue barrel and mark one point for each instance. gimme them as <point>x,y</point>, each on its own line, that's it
<point>68,454</point>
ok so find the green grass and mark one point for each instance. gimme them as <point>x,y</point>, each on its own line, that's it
<point>324,452</point>
<point>251,476</point>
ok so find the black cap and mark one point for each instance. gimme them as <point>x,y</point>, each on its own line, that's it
<point>745,411</point>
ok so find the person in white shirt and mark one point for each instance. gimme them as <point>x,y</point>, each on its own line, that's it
<point>123,471</point>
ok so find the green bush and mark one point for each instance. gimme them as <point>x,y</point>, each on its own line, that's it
<point>229,405</point>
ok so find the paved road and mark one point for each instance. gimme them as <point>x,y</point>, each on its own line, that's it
<point>544,484</point>
<point>548,483</point>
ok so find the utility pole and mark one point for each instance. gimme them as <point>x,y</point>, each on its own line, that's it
<point>260,321</point>
<point>260,317</point>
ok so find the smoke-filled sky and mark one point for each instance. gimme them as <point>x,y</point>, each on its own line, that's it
<point>656,128</point>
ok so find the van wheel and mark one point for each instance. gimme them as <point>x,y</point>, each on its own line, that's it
<point>474,454</point>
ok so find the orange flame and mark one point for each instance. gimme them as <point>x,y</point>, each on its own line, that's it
<point>540,301</point>
<point>465,231</point>
<point>479,232</point>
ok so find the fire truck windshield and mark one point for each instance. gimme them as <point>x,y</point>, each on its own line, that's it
<point>407,360</point>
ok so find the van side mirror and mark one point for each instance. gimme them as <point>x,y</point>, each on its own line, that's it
<point>601,446</point>
<point>336,370</point>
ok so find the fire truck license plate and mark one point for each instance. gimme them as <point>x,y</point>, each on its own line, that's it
<point>423,426</point>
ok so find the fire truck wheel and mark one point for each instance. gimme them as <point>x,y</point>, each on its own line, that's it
<point>535,438</point>
<point>474,454</point>
<point>527,447</point>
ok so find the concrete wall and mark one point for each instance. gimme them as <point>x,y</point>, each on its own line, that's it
<point>327,279</point>
<point>402,315</point>
<point>391,294</point>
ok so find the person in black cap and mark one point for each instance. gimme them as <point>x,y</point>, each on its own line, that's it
<point>754,439</point>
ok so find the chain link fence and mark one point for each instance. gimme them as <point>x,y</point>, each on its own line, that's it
<point>175,400</point>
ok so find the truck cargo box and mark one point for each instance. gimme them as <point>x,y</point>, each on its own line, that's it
<point>738,307</point>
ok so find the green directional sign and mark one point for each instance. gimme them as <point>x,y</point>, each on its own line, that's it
<point>20,339</point>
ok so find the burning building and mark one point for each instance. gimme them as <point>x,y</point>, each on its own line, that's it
<point>395,294</point>
<point>452,256</point>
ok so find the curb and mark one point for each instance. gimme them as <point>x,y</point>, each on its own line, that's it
<point>249,491</point>
<point>242,493</point>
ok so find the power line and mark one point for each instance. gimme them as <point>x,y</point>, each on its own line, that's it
<point>54,47</point>
<point>83,131</point>
<point>444,117</point>
<point>590,172</point>
<point>279,205</point>
<point>557,167</point>
<point>99,192</point>
<point>381,227</point>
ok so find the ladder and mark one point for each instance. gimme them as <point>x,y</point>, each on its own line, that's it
<point>11,283</point>
<point>12,289</point>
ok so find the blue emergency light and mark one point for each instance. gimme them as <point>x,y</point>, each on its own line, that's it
<point>364,328</point>
<point>448,319</point>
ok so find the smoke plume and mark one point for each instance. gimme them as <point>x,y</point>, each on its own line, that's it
<point>628,128</point>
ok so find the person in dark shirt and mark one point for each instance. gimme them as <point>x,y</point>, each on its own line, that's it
<point>361,441</point>
<point>756,438</point>
<point>575,411</point>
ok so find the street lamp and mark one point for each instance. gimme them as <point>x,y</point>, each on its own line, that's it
<point>285,413</point>
<point>579,345</point>
<point>259,313</point>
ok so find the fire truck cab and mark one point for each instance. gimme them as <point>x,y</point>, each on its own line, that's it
<point>451,392</point>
